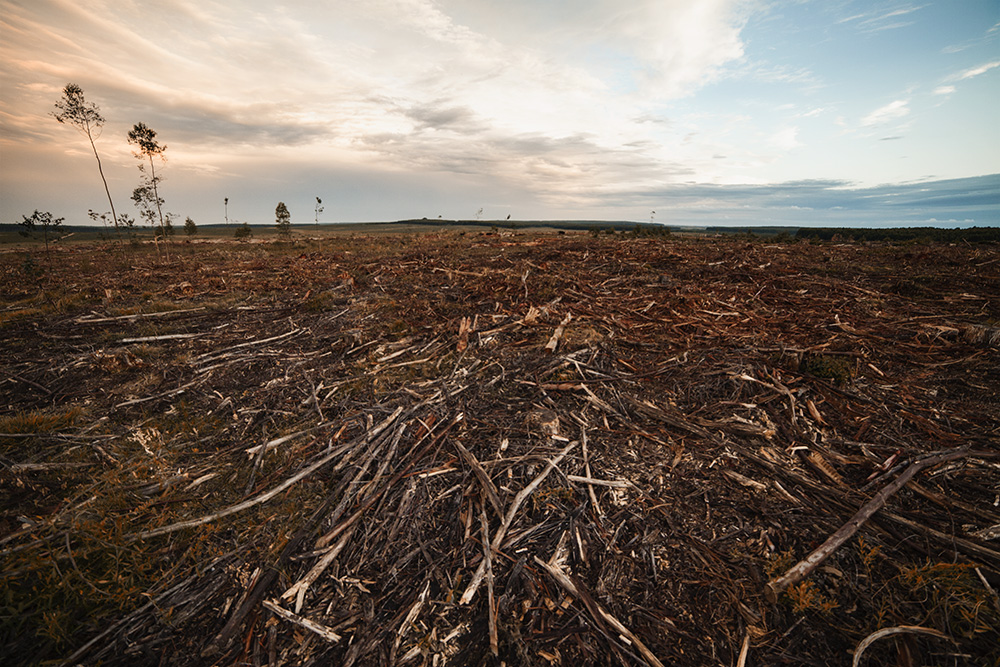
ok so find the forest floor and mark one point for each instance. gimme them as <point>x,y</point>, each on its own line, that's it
<point>492,448</point>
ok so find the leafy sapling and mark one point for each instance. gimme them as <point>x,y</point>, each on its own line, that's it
<point>147,195</point>
<point>45,221</point>
<point>283,221</point>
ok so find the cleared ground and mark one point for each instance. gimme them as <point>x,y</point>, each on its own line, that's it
<point>475,448</point>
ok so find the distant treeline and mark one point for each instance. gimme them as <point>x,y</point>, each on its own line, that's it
<point>902,234</point>
<point>620,225</point>
<point>755,231</point>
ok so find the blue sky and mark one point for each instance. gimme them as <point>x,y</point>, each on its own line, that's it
<point>708,111</point>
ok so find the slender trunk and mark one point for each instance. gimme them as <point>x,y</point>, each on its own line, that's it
<point>156,197</point>
<point>114,215</point>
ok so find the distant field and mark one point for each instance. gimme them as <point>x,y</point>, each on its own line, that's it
<point>10,234</point>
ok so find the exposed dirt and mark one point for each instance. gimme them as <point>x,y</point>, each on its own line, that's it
<point>713,410</point>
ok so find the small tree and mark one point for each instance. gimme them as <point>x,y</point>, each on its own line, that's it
<point>243,232</point>
<point>144,138</point>
<point>43,220</point>
<point>283,220</point>
<point>86,117</point>
<point>189,227</point>
<point>225,202</point>
<point>149,204</point>
<point>319,208</point>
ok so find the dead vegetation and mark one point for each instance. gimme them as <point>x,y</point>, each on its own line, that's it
<point>502,449</point>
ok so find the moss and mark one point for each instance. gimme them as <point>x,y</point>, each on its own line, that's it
<point>839,370</point>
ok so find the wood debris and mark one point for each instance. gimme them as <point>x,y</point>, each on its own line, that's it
<point>523,449</point>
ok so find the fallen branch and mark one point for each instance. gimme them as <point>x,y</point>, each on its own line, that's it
<point>805,567</point>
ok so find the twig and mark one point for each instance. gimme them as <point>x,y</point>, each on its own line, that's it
<point>179,390</point>
<point>153,339</point>
<point>591,482</point>
<point>586,468</point>
<point>568,584</point>
<point>45,390</point>
<point>744,650</point>
<point>301,587</point>
<point>897,630</point>
<point>488,559</point>
<point>320,629</point>
<point>484,479</point>
<point>411,616</point>
<point>98,320</point>
<point>271,444</point>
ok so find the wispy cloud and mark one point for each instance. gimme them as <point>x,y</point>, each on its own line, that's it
<point>890,112</point>
<point>976,71</point>
<point>877,21</point>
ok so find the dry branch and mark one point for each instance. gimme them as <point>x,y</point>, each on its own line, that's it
<point>320,629</point>
<point>805,567</point>
<point>601,614</point>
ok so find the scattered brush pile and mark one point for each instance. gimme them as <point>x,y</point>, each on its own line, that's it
<point>494,449</point>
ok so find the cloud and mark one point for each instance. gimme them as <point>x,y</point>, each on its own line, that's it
<point>786,139</point>
<point>976,71</point>
<point>888,113</point>
<point>944,90</point>
<point>871,22</point>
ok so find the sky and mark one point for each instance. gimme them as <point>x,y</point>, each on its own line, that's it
<point>686,112</point>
